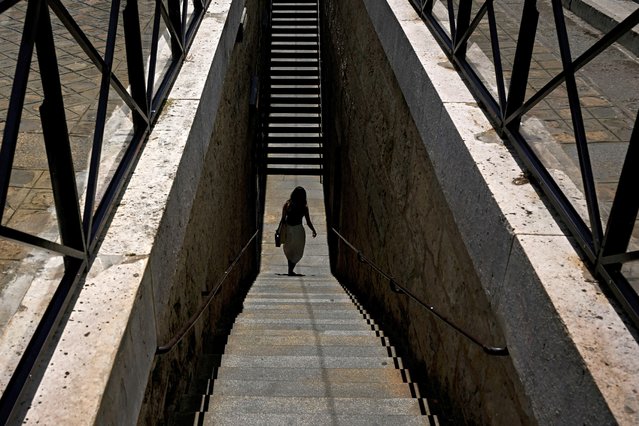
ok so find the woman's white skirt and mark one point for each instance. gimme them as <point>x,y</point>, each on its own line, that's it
<point>294,243</point>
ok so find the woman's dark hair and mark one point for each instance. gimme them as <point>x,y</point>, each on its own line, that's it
<point>298,196</point>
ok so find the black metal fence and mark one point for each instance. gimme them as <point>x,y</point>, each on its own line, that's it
<point>606,233</point>
<point>116,57</point>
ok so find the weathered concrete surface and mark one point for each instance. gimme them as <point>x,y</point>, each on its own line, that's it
<point>188,210</point>
<point>423,186</point>
<point>605,15</point>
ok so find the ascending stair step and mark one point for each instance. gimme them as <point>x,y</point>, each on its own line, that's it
<point>275,117</point>
<point>294,119</point>
<point>296,150</point>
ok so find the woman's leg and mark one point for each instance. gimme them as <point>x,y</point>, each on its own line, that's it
<point>291,266</point>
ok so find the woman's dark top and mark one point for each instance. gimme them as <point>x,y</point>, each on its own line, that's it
<point>295,213</point>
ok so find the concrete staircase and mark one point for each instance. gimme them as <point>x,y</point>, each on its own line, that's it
<point>294,119</point>
<point>302,351</point>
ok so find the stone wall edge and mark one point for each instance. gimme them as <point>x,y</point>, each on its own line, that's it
<point>463,170</point>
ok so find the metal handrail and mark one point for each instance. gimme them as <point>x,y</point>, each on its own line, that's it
<point>398,288</point>
<point>182,332</point>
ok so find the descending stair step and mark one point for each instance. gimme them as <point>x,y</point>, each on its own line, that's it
<point>295,306</point>
<point>330,375</point>
<point>331,300</point>
<point>309,281</point>
<point>262,361</point>
<point>300,307</point>
<point>300,313</point>
<point>244,419</point>
<point>322,339</point>
<point>286,297</point>
<point>293,405</point>
<point>296,292</point>
<point>301,332</point>
<point>270,327</point>
<point>305,350</point>
<point>311,389</point>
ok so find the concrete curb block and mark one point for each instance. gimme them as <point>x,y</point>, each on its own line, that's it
<point>101,365</point>
<point>605,15</point>
<point>575,358</point>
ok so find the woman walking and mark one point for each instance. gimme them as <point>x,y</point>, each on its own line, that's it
<point>293,235</point>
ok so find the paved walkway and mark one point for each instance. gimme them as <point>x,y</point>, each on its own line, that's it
<point>28,277</point>
<point>609,105</point>
<point>301,352</point>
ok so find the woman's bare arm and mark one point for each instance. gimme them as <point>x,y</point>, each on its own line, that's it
<point>308,222</point>
<point>284,210</point>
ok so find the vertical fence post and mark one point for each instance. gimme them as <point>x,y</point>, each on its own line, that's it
<point>460,44</point>
<point>135,64</point>
<point>56,140</point>
<point>98,135</point>
<point>177,41</point>
<point>578,126</point>
<point>625,206</point>
<point>523,58</point>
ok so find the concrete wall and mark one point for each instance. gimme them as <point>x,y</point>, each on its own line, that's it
<point>423,186</point>
<point>189,208</point>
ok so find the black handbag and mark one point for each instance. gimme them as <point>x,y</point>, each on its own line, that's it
<point>278,240</point>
